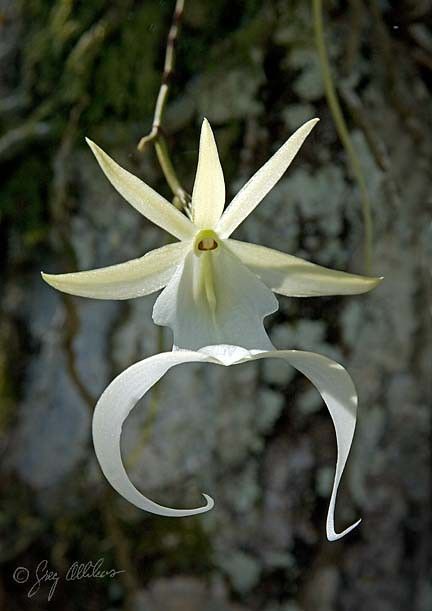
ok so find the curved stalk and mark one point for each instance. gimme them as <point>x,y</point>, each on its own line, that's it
<point>181,197</point>
<point>342,130</point>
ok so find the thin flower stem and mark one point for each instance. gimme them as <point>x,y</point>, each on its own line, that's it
<point>155,136</point>
<point>335,108</point>
<point>181,197</point>
<point>166,75</point>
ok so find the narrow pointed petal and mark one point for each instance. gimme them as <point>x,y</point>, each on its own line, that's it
<point>215,299</point>
<point>208,197</point>
<point>111,411</point>
<point>142,197</point>
<point>339,394</point>
<point>295,277</point>
<point>254,191</point>
<point>131,279</point>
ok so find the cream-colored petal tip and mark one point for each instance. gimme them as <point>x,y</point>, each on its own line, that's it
<point>376,280</point>
<point>94,147</point>
<point>368,283</point>
<point>91,144</point>
<point>205,126</point>
<point>209,501</point>
<point>48,278</point>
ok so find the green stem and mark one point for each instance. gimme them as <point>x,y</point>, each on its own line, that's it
<point>169,172</point>
<point>181,197</point>
<point>166,76</point>
<point>343,133</point>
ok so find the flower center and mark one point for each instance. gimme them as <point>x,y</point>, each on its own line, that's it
<point>207,244</point>
<point>206,240</point>
<point>204,291</point>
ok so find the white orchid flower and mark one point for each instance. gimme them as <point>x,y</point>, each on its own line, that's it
<point>331,380</point>
<point>216,290</point>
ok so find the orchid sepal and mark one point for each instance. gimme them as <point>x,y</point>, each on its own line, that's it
<point>216,290</point>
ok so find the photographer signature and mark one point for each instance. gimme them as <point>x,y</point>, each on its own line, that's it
<point>44,575</point>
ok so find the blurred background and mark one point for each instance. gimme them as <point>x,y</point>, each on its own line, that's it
<point>256,437</point>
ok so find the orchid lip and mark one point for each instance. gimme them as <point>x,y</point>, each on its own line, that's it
<point>330,379</point>
<point>206,240</point>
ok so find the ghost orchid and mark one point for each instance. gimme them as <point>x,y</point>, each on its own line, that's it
<point>216,290</point>
<point>330,379</point>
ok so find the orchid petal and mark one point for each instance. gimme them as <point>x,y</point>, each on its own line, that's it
<point>143,198</point>
<point>254,191</point>
<point>296,277</point>
<point>130,279</point>
<point>208,197</point>
<point>339,394</point>
<point>330,379</point>
<point>111,411</point>
<point>214,299</point>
